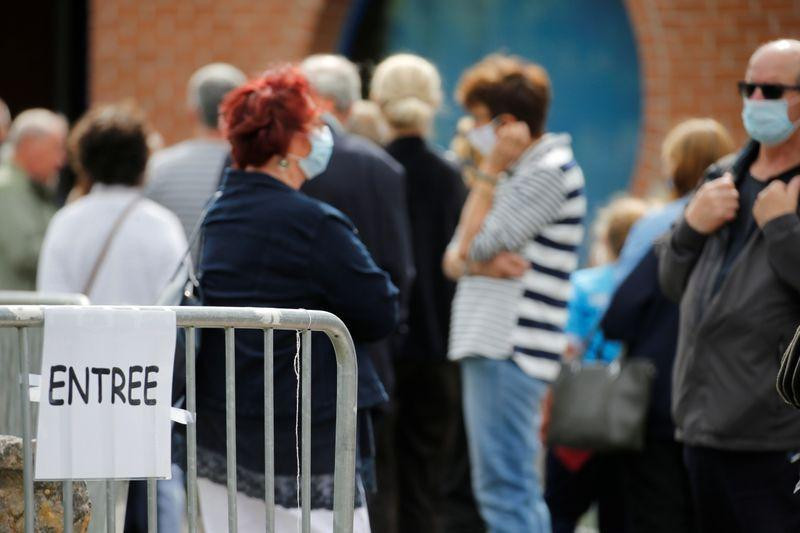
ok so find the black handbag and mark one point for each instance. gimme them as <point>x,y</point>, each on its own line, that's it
<point>788,382</point>
<point>601,407</point>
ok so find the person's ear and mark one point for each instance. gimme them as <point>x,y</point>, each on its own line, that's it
<point>299,145</point>
<point>324,105</point>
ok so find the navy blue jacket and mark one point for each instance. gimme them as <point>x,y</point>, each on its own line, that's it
<point>367,185</point>
<point>642,317</point>
<point>268,245</point>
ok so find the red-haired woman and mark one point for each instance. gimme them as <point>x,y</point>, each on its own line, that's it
<point>268,245</point>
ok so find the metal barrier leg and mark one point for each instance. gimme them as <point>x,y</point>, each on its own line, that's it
<point>111,507</point>
<point>152,506</point>
<point>27,453</point>
<point>305,474</point>
<point>346,404</point>
<point>269,430</point>
<point>191,432</point>
<point>230,425</point>
<point>66,502</point>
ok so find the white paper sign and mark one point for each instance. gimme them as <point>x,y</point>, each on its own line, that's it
<point>106,388</point>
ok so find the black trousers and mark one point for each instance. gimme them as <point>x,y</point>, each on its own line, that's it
<point>569,494</point>
<point>657,494</point>
<point>422,465</point>
<point>743,492</point>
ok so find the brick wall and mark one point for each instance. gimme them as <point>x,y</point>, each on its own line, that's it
<point>148,49</point>
<point>692,53</point>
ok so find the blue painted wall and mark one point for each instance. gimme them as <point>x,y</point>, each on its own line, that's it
<point>587,46</point>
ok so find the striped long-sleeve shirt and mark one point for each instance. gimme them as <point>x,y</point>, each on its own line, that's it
<point>538,211</point>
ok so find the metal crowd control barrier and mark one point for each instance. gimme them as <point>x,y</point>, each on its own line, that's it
<point>10,420</point>
<point>8,388</point>
<point>230,319</point>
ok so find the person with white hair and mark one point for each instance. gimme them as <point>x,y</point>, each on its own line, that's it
<point>368,186</point>
<point>432,467</point>
<point>34,152</point>
<point>183,177</point>
<point>336,81</point>
<point>367,120</point>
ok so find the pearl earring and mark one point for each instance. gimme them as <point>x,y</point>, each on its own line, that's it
<point>283,163</point>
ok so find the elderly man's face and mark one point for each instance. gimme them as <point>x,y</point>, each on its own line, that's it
<point>777,66</point>
<point>42,156</point>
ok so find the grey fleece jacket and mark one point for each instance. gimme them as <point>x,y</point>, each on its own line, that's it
<point>730,342</point>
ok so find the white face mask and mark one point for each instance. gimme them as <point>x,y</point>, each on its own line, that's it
<point>318,158</point>
<point>483,138</point>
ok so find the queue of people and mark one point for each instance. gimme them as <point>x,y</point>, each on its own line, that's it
<point>458,282</point>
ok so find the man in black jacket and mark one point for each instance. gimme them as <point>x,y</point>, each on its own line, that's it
<point>733,262</point>
<point>364,183</point>
<point>369,186</point>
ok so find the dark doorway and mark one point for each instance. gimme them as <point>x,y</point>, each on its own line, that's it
<point>43,44</point>
<point>363,36</point>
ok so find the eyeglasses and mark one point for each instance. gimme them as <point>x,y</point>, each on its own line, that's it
<point>771,91</point>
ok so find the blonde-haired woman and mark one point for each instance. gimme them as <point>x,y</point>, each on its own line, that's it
<point>408,90</point>
<point>688,150</point>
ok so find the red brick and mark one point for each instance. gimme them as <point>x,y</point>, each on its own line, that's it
<point>147,50</point>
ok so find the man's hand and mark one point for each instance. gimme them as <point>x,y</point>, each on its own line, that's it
<point>776,200</point>
<point>512,139</point>
<point>504,265</point>
<point>715,204</point>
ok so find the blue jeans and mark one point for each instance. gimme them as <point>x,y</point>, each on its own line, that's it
<point>172,501</point>
<point>502,417</point>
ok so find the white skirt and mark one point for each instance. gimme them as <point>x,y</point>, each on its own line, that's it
<point>251,513</point>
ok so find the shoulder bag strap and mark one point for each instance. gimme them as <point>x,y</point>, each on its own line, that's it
<point>107,244</point>
<point>590,337</point>
<point>195,237</point>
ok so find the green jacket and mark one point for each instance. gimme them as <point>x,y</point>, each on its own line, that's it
<point>25,211</point>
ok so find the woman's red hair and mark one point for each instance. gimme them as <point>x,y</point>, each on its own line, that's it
<point>260,117</point>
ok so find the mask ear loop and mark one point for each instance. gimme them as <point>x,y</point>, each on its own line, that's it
<point>296,368</point>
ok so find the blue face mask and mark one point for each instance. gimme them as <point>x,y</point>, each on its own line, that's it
<point>767,121</point>
<point>317,159</point>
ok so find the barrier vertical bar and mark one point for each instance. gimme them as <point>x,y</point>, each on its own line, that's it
<point>27,453</point>
<point>230,425</point>
<point>269,430</point>
<point>191,432</point>
<point>111,507</point>
<point>66,502</point>
<point>152,507</point>
<point>346,402</point>
<point>305,478</point>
